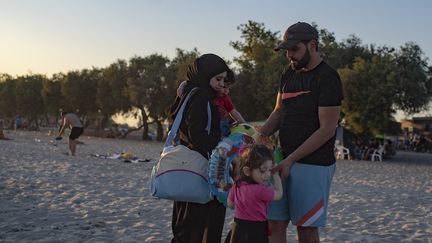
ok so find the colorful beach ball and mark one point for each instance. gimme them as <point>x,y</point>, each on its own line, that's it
<point>244,128</point>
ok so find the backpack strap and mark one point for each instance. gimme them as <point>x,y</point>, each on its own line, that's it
<point>208,118</point>
<point>176,124</point>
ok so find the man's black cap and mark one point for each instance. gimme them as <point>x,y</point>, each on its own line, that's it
<point>297,32</point>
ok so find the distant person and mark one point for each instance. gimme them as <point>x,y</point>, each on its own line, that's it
<point>374,144</point>
<point>18,123</point>
<point>74,123</point>
<point>306,114</point>
<point>359,149</point>
<point>224,104</point>
<point>389,148</point>
<point>251,194</point>
<point>2,136</point>
<point>414,141</point>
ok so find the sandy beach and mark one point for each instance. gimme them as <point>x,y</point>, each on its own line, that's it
<point>46,196</point>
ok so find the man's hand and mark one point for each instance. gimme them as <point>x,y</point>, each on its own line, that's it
<point>283,168</point>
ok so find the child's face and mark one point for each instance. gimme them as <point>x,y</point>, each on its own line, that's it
<point>224,90</point>
<point>262,174</point>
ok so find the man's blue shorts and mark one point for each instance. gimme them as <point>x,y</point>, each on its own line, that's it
<point>305,196</point>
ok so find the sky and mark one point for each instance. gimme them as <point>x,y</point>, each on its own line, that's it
<point>51,36</point>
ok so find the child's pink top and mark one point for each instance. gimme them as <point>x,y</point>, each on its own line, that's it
<point>251,201</point>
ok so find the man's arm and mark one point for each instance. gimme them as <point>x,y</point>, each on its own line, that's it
<point>273,122</point>
<point>62,127</point>
<point>328,118</point>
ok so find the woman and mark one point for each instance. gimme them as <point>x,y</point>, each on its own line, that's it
<point>193,222</point>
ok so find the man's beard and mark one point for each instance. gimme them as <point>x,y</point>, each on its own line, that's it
<point>301,64</point>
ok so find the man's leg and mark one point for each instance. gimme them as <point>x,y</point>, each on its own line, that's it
<point>72,146</point>
<point>308,234</point>
<point>278,231</point>
<point>278,216</point>
<point>309,193</point>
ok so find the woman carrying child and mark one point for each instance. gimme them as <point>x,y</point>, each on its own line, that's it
<point>194,222</point>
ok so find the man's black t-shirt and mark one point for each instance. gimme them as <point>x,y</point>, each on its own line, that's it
<point>302,94</point>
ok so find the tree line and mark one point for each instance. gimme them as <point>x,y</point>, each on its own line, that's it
<point>377,81</point>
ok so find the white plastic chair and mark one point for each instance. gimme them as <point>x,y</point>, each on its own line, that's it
<point>377,154</point>
<point>341,152</point>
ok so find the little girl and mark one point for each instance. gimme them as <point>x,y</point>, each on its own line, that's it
<point>251,195</point>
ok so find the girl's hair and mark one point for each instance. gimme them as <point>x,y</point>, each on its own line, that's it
<point>253,157</point>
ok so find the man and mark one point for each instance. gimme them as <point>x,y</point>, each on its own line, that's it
<point>71,120</point>
<point>18,123</point>
<point>306,114</point>
<point>2,136</point>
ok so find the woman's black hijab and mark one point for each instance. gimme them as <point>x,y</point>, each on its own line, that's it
<point>199,74</point>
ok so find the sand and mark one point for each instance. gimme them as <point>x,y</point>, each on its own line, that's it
<point>46,196</point>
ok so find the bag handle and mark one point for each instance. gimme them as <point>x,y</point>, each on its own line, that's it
<point>176,124</point>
